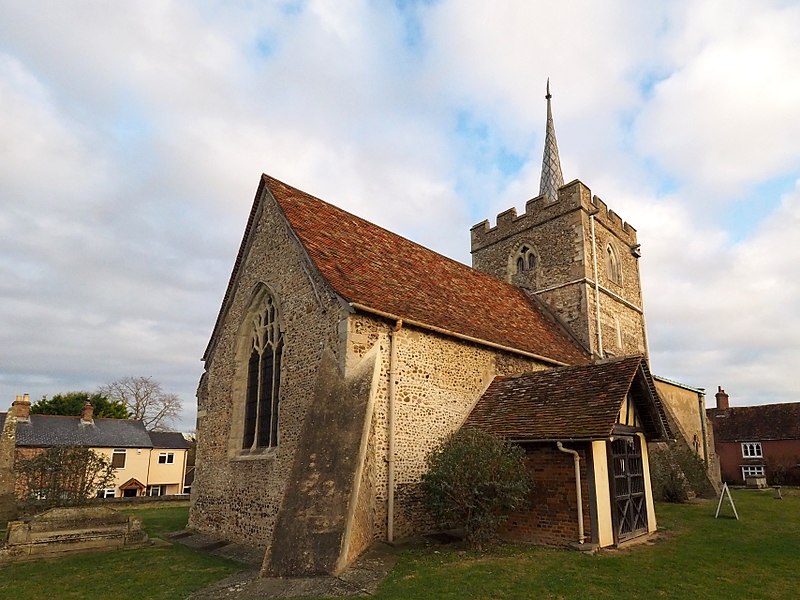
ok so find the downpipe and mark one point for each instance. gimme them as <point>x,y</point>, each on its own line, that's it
<point>390,452</point>
<point>577,459</point>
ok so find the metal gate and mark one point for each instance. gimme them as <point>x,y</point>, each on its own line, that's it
<point>627,489</point>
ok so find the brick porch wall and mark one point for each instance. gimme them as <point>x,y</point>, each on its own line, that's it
<point>552,515</point>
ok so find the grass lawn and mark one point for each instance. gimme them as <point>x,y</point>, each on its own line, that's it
<point>162,573</point>
<point>696,556</point>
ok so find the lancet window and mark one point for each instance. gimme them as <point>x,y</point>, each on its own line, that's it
<point>263,378</point>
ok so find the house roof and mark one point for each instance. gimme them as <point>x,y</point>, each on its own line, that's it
<point>580,402</point>
<point>756,423</point>
<point>44,431</point>
<point>382,271</point>
<point>169,439</point>
<point>55,430</point>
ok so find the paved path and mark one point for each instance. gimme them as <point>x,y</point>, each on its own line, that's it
<point>362,578</point>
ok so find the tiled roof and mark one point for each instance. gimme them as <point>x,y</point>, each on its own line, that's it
<point>52,430</point>
<point>169,439</point>
<point>570,402</point>
<point>368,265</point>
<point>756,423</point>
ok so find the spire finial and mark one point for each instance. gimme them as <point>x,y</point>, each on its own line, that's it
<point>552,178</point>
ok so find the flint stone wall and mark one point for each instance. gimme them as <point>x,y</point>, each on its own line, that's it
<point>237,497</point>
<point>559,234</point>
<point>439,381</point>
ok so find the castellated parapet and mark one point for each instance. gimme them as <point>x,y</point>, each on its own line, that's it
<point>577,256</point>
<point>572,196</point>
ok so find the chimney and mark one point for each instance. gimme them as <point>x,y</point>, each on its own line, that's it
<point>722,399</point>
<point>87,413</point>
<point>22,407</point>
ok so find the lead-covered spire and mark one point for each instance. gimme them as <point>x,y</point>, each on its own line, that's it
<point>552,178</point>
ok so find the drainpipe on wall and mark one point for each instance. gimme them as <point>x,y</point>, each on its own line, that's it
<point>596,291</point>
<point>578,494</point>
<point>390,432</point>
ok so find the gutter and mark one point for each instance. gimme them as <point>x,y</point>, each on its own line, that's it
<point>455,334</point>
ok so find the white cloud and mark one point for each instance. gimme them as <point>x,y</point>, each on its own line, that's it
<point>132,138</point>
<point>726,117</point>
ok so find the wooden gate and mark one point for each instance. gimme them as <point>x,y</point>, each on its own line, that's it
<point>627,489</point>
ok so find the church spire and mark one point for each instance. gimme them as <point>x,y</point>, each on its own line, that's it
<point>552,179</point>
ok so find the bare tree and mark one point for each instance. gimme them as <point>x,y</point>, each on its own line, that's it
<point>145,400</point>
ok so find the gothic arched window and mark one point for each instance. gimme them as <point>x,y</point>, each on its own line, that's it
<point>613,270</point>
<point>263,378</point>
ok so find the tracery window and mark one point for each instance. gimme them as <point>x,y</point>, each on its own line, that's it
<point>526,259</point>
<point>263,379</point>
<point>613,270</point>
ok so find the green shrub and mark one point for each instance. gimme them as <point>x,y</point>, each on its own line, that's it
<point>63,476</point>
<point>676,473</point>
<point>475,480</point>
<point>783,470</point>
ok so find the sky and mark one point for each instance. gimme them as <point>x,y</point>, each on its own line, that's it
<point>133,136</point>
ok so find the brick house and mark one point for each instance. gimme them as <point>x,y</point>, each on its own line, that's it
<point>343,353</point>
<point>757,441</point>
<point>145,463</point>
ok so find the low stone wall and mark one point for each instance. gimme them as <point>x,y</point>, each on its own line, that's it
<point>65,530</point>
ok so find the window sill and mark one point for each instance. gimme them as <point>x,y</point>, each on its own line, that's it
<point>262,454</point>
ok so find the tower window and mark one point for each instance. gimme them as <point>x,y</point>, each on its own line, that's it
<point>263,379</point>
<point>525,259</point>
<point>613,270</point>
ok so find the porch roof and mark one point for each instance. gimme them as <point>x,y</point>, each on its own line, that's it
<point>570,403</point>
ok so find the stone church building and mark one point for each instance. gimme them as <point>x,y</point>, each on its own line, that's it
<point>343,353</point>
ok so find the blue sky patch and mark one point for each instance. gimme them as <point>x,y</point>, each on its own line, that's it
<point>744,217</point>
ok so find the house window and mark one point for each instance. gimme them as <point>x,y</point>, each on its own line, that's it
<point>752,471</point>
<point>107,493</point>
<point>751,450</point>
<point>187,489</point>
<point>156,490</point>
<point>613,271</point>
<point>166,458</point>
<point>263,379</point>
<point>118,458</point>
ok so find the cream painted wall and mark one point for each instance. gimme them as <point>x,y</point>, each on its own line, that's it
<point>602,489</point>
<point>137,461</point>
<point>169,474</point>
<point>142,464</point>
<point>648,488</point>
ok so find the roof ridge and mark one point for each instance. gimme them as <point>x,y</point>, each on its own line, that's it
<point>390,232</point>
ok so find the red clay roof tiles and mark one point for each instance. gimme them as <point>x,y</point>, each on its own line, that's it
<point>369,265</point>
<point>577,402</point>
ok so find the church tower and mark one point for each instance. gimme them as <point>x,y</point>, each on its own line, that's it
<point>573,253</point>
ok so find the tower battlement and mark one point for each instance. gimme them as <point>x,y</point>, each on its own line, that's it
<point>571,197</point>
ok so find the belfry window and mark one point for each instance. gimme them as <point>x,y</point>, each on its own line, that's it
<point>526,259</point>
<point>263,379</point>
<point>613,270</point>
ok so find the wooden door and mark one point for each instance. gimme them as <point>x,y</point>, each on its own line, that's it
<point>629,505</point>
